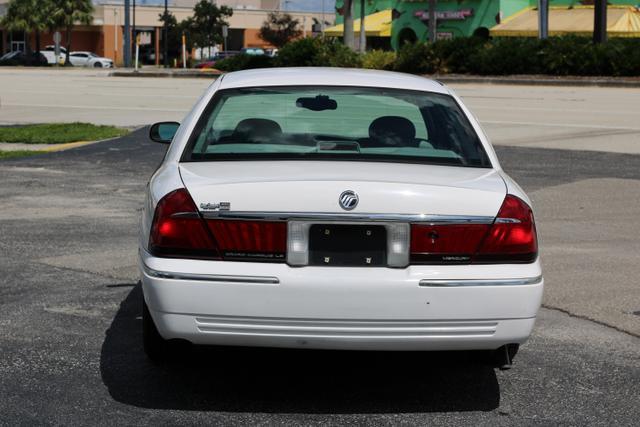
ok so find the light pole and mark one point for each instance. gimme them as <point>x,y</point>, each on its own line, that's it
<point>165,37</point>
<point>363,32</point>
<point>543,19</point>
<point>127,35</point>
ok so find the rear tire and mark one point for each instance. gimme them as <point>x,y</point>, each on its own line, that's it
<point>155,347</point>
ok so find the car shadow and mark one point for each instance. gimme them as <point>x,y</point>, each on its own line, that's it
<point>290,381</point>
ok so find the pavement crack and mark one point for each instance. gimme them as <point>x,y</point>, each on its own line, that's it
<point>590,319</point>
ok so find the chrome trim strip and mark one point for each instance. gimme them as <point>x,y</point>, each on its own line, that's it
<point>507,221</point>
<point>440,283</point>
<point>267,280</point>
<point>366,217</point>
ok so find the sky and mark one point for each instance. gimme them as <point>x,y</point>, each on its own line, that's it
<point>311,5</point>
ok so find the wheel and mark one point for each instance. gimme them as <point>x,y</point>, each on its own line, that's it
<point>155,347</point>
<point>97,65</point>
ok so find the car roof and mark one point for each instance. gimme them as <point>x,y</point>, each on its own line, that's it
<point>318,76</point>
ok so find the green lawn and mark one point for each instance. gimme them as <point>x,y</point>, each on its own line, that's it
<point>58,133</point>
<point>17,153</point>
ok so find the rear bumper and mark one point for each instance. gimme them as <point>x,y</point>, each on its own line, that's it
<point>274,305</point>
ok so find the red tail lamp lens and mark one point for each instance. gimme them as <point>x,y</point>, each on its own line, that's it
<point>178,231</point>
<point>437,244</point>
<point>512,237</point>
<point>250,240</point>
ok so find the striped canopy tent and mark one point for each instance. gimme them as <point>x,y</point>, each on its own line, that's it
<point>622,21</point>
<point>375,25</point>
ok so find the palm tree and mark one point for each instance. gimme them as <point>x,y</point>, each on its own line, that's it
<point>28,16</point>
<point>66,13</point>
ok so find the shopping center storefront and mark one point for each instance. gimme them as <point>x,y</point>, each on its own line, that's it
<point>390,23</point>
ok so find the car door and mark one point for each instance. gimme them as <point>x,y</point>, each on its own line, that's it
<point>78,59</point>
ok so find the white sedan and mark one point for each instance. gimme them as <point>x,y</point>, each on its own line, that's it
<point>335,209</point>
<point>89,59</point>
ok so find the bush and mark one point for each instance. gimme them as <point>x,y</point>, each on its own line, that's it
<point>416,58</point>
<point>317,52</point>
<point>244,62</point>
<point>568,55</point>
<point>378,60</point>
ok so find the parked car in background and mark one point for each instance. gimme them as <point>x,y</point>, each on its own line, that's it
<point>49,52</point>
<point>89,59</point>
<point>19,58</point>
<point>211,62</point>
<point>271,52</point>
<point>335,209</point>
<point>252,51</point>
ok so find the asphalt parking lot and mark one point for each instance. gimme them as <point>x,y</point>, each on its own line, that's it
<point>70,305</point>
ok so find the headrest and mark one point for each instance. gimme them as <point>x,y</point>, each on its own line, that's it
<point>258,130</point>
<point>392,130</point>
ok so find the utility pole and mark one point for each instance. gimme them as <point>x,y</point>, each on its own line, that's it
<point>433,24</point>
<point>543,19</point>
<point>165,36</point>
<point>600,21</point>
<point>127,35</point>
<point>363,32</point>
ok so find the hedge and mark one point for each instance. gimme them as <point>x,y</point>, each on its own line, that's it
<point>568,55</point>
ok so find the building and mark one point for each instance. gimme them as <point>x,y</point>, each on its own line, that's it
<point>106,34</point>
<point>390,23</point>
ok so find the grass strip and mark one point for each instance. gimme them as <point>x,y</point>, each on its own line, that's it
<point>58,133</point>
<point>18,153</point>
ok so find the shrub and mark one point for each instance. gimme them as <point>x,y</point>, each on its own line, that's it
<point>317,52</point>
<point>378,60</point>
<point>244,62</point>
<point>416,58</point>
<point>299,53</point>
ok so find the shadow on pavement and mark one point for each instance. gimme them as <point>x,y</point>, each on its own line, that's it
<point>290,381</point>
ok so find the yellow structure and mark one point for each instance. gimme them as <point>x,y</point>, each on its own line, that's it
<point>375,25</point>
<point>622,21</point>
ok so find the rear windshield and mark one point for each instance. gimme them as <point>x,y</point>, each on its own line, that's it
<point>335,123</point>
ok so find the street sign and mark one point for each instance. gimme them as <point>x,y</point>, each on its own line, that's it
<point>225,31</point>
<point>57,37</point>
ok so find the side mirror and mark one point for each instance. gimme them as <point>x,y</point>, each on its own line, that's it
<point>163,132</point>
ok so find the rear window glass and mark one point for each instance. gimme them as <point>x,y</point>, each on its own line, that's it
<point>335,123</point>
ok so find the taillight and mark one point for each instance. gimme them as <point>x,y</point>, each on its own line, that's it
<point>178,231</point>
<point>437,244</point>
<point>250,240</point>
<point>511,238</point>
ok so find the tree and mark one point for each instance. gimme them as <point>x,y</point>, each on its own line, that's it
<point>205,27</point>
<point>279,29</point>
<point>28,16</point>
<point>173,35</point>
<point>66,13</point>
<point>349,35</point>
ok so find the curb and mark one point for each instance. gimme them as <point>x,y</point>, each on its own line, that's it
<point>208,74</point>
<point>537,80</point>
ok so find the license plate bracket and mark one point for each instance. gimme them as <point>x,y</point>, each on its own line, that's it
<point>346,245</point>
